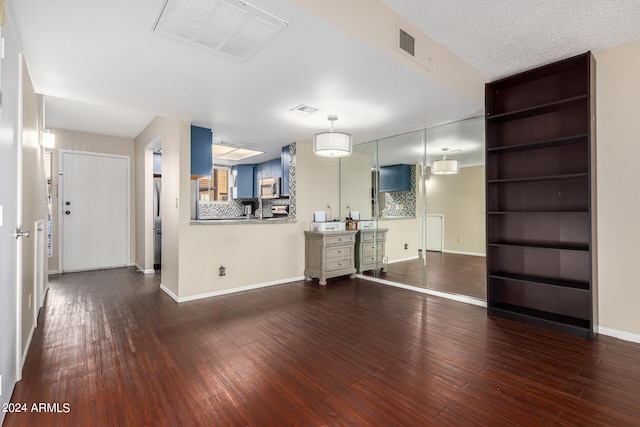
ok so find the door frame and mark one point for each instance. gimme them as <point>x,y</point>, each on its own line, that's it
<point>60,209</point>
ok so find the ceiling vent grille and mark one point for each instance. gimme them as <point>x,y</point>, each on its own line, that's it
<point>406,42</point>
<point>232,27</point>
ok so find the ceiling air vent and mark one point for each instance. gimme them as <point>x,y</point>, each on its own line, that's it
<point>232,27</point>
<point>406,42</point>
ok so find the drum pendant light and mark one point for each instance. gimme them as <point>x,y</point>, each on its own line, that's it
<point>332,143</point>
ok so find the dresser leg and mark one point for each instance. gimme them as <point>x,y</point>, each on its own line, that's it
<point>322,281</point>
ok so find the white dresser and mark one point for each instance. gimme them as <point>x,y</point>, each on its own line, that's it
<point>329,254</point>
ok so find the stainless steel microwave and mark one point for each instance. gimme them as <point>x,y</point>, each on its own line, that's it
<point>270,188</point>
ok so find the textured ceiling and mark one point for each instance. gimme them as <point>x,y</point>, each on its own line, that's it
<point>502,37</point>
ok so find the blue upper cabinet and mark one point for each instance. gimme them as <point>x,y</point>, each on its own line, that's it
<point>395,178</point>
<point>244,182</point>
<point>285,160</point>
<point>201,151</point>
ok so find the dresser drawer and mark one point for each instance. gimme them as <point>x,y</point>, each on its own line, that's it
<point>370,248</point>
<point>339,252</point>
<point>339,264</point>
<point>371,237</point>
<point>371,259</point>
<point>340,240</point>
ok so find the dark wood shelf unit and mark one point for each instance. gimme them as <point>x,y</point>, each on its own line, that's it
<point>553,246</point>
<point>541,144</point>
<point>540,187</point>
<point>584,286</point>
<point>543,319</point>
<point>539,178</point>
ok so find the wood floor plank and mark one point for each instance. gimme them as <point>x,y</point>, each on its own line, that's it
<point>119,351</point>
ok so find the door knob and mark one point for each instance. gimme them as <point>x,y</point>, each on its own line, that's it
<point>67,212</point>
<point>21,233</point>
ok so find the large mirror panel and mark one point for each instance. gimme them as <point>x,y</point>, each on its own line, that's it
<point>455,221</point>
<point>431,226</point>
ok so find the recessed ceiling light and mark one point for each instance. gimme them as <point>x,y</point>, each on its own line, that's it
<point>233,153</point>
<point>304,109</point>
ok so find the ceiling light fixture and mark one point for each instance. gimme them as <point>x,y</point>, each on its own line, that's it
<point>233,153</point>
<point>332,143</point>
<point>445,166</point>
<point>47,139</point>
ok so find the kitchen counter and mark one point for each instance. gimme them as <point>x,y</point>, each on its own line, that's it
<point>242,220</point>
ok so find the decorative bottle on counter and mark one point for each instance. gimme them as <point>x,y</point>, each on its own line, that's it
<point>328,213</point>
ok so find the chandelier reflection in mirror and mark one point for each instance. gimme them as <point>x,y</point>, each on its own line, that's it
<point>445,166</point>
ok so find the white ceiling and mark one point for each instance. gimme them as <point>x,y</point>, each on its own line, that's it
<point>102,69</point>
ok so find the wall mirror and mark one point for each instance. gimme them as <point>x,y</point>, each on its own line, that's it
<point>434,223</point>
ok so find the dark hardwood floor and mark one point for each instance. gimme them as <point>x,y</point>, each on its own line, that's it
<point>120,352</point>
<point>445,272</point>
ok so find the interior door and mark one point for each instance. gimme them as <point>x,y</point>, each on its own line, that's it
<point>94,211</point>
<point>10,206</point>
<point>434,233</point>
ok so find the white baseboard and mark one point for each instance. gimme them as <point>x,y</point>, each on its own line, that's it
<point>460,298</point>
<point>143,271</point>
<point>464,253</point>
<point>228,291</point>
<point>627,336</point>
<point>53,272</point>
<point>168,292</point>
<point>404,259</point>
<point>26,347</point>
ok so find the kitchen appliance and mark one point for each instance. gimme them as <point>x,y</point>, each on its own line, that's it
<point>269,188</point>
<point>280,211</point>
<point>157,223</point>
<point>246,210</point>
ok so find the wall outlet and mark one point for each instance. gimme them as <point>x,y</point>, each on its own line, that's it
<point>29,301</point>
<point>222,271</point>
<point>459,239</point>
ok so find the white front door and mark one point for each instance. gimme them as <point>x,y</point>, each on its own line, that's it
<point>94,211</point>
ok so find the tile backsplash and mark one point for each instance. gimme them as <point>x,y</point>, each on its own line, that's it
<point>400,203</point>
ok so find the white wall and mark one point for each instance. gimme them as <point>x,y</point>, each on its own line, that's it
<point>34,202</point>
<point>173,136</point>
<point>8,200</point>
<point>461,199</point>
<point>618,198</point>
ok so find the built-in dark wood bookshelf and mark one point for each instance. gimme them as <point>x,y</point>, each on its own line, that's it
<point>540,170</point>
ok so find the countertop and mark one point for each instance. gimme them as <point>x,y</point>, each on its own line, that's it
<point>242,220</point>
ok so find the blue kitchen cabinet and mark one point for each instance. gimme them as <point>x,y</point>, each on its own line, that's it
<point>244,181</point>
<point>395,178</point>
<point>258,174</point>
<point>285,165</point>
<point>201,151</point>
